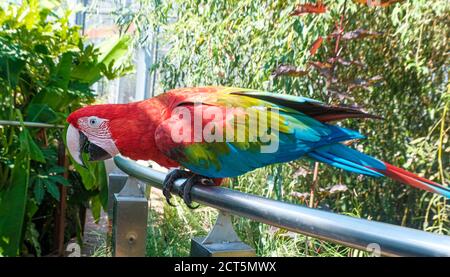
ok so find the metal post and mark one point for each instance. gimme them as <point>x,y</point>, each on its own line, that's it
<point>222,241</point>
<point>130,220</point>
<point>116,183</point>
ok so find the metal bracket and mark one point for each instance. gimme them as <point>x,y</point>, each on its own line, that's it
<point>116,182</point>
<point>222,231</point>
<point>130,220</point>
<point>221,241</point>
<point>133,188</point>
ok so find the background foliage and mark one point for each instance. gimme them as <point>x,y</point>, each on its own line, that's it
<point>241,43</point>
<point>46,70</point>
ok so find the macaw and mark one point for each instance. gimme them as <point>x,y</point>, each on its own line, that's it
<point>163,129</point>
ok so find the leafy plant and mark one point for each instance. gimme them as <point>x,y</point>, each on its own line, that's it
<point>46,70</point>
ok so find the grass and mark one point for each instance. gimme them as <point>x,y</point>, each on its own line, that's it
<point>171,228</point>
<point>103,249</point>
<point>170,233</point>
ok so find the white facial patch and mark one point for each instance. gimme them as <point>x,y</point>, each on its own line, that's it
<point>97,131</point>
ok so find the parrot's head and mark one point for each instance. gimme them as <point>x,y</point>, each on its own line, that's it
<point>89,132</point>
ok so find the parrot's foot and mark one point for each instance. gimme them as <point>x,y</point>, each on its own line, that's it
<point>187,186</point>
<point>170,180</point>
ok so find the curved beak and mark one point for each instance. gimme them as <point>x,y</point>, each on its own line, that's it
<point>78,143</point>
<point>74,144</point>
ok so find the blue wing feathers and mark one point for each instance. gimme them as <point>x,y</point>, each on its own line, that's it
<point>341,156</point>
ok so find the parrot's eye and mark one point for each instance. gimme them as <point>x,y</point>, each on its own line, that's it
<point>93,121</point>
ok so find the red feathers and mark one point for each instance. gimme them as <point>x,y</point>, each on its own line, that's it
<point>410,178</point>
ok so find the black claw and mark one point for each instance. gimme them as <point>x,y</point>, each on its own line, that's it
<point>167,195</point>
<point>170,180</point>
<point>187,187</point>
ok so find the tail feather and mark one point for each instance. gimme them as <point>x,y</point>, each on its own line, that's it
<point>344,164</point>
<point>341,156</point>
<point>313,108</point>
<point>413,180</point>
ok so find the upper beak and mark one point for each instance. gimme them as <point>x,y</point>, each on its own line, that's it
<point>74,143</point>
<point>78,143</point>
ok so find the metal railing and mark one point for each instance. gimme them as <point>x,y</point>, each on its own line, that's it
<point>30,124</point>
<point>391,240</point>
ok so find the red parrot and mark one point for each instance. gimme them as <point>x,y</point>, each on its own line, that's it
<point>219,132</point>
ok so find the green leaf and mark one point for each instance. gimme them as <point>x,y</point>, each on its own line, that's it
<point>55,97</point>
<point>114,50</point>
<point>32,236</point>
<point>32,208</point>
<point>102,179</point>
<point>96,207</point>
<point>38,190</point>
<point>41,113</point>
<point>13,69</point>
<point>56,169</point>
<point>27,142</point>
<point>59,179</point>
<point>32,14</point>
<point>12,206</point>
<point>52,188</point>
<point>94,175</point>
<point>35,151</point>
<point>41,49</point>
<point>113,61</point>
<point>63,70</point>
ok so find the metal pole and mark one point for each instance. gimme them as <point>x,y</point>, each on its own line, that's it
<point>30,124</point>
<point>362,234</point>
<point>116,182</point>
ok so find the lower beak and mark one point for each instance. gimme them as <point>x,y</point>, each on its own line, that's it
<point>78,143</point>
<point>96,153</point>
